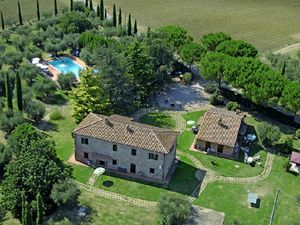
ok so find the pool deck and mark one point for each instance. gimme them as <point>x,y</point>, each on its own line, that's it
<point>56,72</point>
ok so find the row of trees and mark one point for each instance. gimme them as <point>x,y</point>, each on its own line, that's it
<point>234,62</point>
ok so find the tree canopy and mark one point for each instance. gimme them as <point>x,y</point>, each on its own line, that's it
<point>237,48</point>
<point>212,40</point>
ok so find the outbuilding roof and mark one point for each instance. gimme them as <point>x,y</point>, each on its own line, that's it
<point>123,130</point>
<point>295,157</point>
<point>220,126</point>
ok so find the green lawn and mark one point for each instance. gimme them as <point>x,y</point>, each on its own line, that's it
<point>232,198</point>
<point>10,8</point>
<point>61,133</point>
<point>107,211</point>
<point>193,116</point>
<point>159,119</point>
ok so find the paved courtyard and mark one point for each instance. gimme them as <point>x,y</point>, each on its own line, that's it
<point>181,97</point>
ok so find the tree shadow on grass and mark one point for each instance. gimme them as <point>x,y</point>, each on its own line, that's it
<point>47,126</point>
<point>183,181</point>
<point>56,99</point>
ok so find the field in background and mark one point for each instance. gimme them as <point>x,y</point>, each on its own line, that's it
<point>10,8</point>
<point>268,24</point>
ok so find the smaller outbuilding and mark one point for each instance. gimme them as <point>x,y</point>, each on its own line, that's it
<point>295,162</point>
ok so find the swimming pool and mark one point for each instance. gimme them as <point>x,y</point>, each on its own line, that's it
<point>66,65</point>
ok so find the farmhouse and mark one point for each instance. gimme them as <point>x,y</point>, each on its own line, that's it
<point>295,162</point>
<point>121,145</point>
<point>221,132</point>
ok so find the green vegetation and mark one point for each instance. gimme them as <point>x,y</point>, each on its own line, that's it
<point>159,119</point>
<point>258,22</point>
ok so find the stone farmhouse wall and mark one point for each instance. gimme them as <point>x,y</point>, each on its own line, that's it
<point>227,150</point>
<point>103,150</point>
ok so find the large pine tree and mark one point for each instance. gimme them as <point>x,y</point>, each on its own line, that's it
<point>39,210</point>
<point>129,29</point>
<point>20,14</point>
<point>8,92</point>
<point>38,10</point>
<point>120,17</point>
<point>114,16</point>
<point>19,92</point>
<point>102,10</point>
<point>2,21</point>
<point>135,30</point>
<point>55,8</point>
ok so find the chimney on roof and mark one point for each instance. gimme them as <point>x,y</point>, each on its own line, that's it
<point>129,128</point>
<point>220,122</point>
<point>108,122</point>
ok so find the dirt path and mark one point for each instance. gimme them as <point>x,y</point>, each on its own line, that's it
<point>287,49</point>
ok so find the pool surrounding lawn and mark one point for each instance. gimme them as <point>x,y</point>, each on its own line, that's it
<point>66,65</point>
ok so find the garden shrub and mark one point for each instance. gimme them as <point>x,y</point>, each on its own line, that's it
<point>287,146</point>
<point>187,78</point>
<point>233,106</point>
<point>35,110</point>
<point>211,88</point>
<point>268,133</point>
<point>173,210</point>
<point>216,99</point>
<point>56,115</point>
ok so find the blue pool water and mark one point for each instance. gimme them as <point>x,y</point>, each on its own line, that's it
<point>66,65</point>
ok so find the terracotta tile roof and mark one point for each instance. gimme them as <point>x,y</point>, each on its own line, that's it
<point>295,157</point>
<point>220,126</point>
<point>122,130</point>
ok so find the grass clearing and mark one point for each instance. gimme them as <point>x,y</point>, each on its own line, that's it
<point>193,116</point>
<point>268,24</point>
<point>232,198</point>
<point>182,182</point>
<point>158,119</point>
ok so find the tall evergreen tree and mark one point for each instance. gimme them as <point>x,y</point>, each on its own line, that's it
<point>129,29</point>
<point>91,5</point>
<point>38,10</point>
<point>148,32</point>
<point>283,68</point>
<point>2,21</point>
<point>55,8</point>
<point>8,92</point>
<point>20,14</point>
<point>39,210</point>
<point>28,218</point>
<point>23,207</point>
<point>120,17</point>
<point>19,92</point>
<point>105,14</point>
<point>98,11</point>
<point>71,5</point>
<point>86,3</point>
<point>102,10</point>
<point>114,16</point>
<point>135,29</point>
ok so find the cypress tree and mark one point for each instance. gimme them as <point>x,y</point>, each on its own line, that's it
<point>39,210</point>
<point>148,32</point>
<point>105,13</point>
<point>114,16</point>
<point>55,8</point>
<point>91,5</point>
<point>283,68</point>
<point>38,10</point>
<point>28,219</point>
<point>98,11</point>
<point>120,17</point>
<point>86,3</point>
<point>20,14</point>
<point>19,92</point>
<point>2,21</point>
<point>129,31</point>
<point>8,92</point>
<point>23,207</point>
<point>71,5</point>
<point>135,30</point>
<point>101,10</point>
